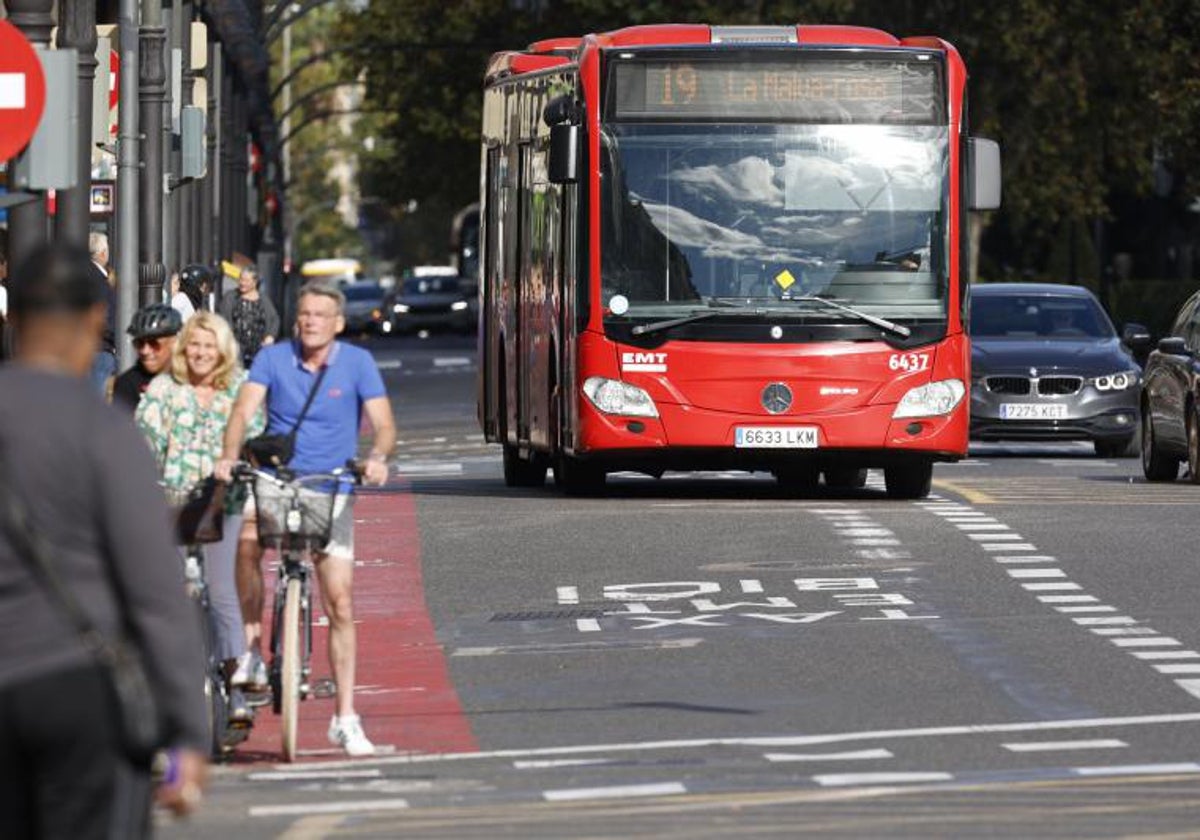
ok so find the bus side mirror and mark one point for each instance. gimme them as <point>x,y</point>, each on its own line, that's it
<point>564,153</point>
<point>983,174</point>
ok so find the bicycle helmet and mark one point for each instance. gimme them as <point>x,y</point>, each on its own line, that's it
<point>195,281</point>
<point>154,320</point>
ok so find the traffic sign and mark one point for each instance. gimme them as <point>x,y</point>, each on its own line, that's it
<point>22,91</point>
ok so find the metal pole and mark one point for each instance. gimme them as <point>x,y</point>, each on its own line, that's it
<point>77,30</point>
<point>153,79</point>
<point>127,174</point>
<point>210,194</point>
<point>27,222</point>
<point>285,129</point>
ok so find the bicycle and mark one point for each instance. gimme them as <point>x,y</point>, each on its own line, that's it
<point>223,733</point>
<point>295,517</point>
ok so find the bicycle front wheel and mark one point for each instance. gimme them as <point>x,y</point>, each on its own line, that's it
<point>289,676</point>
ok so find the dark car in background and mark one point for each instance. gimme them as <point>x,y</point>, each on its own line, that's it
<point>1170,416</point>
<point>1047,365</point>
<point>428,300</point>
<point>364,307</point>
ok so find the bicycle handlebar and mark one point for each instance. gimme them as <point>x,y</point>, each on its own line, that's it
<point>245,471</point>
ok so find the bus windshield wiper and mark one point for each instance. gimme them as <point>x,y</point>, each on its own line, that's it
<point>717,307</point>
<point>882,323</point>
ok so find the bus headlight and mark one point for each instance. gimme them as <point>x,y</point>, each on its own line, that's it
<point>615,397</point>
<point>1116,381</point>
<point>931,400</point>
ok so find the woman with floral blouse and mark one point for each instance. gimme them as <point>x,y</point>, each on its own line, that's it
<point>183,415</point>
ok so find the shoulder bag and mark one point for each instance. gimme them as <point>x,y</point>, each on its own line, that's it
<point>139,725</point>
<point>276,450</point>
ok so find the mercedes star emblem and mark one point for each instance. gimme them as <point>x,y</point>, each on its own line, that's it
<point>777,398</point>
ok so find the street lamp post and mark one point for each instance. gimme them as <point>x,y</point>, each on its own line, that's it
<point>153,81</point>
<point>77,31</point>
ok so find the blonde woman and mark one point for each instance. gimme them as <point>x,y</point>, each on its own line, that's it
<point>183,414</point>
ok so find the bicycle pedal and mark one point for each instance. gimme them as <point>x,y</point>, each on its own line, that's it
<point>324,689</point>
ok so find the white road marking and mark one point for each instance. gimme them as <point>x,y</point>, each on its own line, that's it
<point>451,361</point>
<point>389,364</point>
<point>1024,546</point>
<point>1124,631</point>
<point>1138,769</point>
<point>1107,619</point>
<point>544,764</point>
<point>614,792</point>
<point>778,741</point>
<point>1036,573</point>
<point>568,594</point>
<point>843,779</point>
<point>283,776</point>
<point>1154,641</point>
<point>1100,608</point>
<point>1166,654</point>
<point>1050,587</point>
<point>1027,558</point>
<point>855,755</point>
<point>1068,599</point>
<point>587,625</point>
<point>865,532</point>
<point>1177,669</point>
<point>1192,687</point>
<point>980,526</point>
<point>308,808</point>
<point>982,537</point>
<point>1052,746</point>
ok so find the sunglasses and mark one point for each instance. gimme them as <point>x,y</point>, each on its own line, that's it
<point>155,343</point>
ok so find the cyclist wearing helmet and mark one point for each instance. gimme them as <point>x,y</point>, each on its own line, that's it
<point>195,281</point>
<point>153,329</point>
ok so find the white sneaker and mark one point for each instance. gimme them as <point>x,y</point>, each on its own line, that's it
<point>251,672</point>
<point>347,732</point>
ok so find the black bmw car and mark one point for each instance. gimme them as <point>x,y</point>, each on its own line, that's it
<point>1171,399</point>
<point>1046,364</point>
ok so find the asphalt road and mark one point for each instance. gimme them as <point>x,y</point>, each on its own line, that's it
<point>696,656</point>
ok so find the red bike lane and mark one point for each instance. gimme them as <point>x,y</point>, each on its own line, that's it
<point>404,693</point>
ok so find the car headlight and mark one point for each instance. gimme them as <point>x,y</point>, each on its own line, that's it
<point>400,308</point>
<point>615,397</point>
<point>458,306</point>
<point>931,400</point>
<point>1116,381</point>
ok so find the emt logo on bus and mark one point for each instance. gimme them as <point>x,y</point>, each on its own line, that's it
<point>646,362</point>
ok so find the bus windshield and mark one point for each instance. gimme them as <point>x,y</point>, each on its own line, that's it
<point>855,213</point>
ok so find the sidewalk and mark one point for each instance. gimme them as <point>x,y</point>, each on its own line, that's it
<point>404,694</point>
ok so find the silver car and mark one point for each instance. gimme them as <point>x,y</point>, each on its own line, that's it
<point>1046,364</point>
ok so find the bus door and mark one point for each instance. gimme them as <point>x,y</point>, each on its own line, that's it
<point>526,308</point>
<point>491,402</point>
<point>572,297</point>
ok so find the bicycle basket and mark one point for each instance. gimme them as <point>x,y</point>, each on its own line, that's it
<point>293,515</point>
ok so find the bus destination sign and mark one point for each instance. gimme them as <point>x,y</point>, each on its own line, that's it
<point>860,90</point>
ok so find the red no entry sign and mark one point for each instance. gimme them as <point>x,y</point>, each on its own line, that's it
<point>22,91</point>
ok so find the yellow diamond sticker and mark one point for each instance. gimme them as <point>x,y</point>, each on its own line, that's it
<point>784,279</point>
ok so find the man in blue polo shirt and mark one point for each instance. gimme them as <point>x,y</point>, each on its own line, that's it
<point>282,377</point>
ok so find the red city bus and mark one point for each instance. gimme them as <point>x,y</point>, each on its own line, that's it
<point>716,247</point>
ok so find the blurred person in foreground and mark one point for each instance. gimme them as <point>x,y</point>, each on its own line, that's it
<point>89,485</point>
<point>183,415</point>
<point>153,329</point>
<point>253,317</point>
<point>281,378</point>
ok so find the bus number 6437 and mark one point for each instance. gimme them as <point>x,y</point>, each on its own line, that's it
<point>908,361</point>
